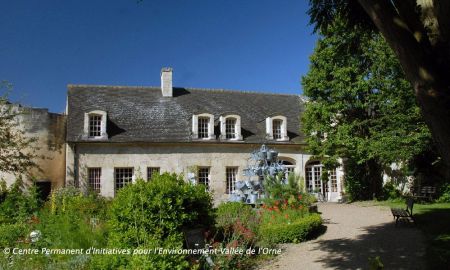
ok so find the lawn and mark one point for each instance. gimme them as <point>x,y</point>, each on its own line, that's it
<point>434,221</point>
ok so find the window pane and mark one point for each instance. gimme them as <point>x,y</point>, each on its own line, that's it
<point>203,124</point>
<point>95,122</point>
<point>276,126</point>
<point>231,174</point>
<point>333,180</point>
<point>203,177</point>
<point>230,128</point>
<point>151,171</point>
<point>94,175</point>
<point>309,180</point>
<point>317,180</point>
<point>123,177</point>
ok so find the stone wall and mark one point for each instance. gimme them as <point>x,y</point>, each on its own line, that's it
<point>49,130</point>
<point>179,158</point>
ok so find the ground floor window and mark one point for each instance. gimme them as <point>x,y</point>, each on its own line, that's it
<point>94,175</point>
<point>203,176</point>
<point>231,174</point>
<point>123,177</point>
<point>151,171</point>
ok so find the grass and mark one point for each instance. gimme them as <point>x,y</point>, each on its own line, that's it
<point>433,220</point>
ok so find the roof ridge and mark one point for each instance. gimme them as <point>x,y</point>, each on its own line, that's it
<point>187,88</point>
<point>238,91</point>
<point>112,86</point>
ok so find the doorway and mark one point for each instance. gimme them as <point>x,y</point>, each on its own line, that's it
<point>323,190</point>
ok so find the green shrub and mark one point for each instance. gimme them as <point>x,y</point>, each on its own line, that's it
<point>236,225</point>
<point>445,194</point>
<point>18,206</point>
<point>11,233</point>
<point>72,220</point>
<point>390,192</point>
<point>232,213</point>
<point>150,214</point>
<point>274,216</point>
<point>64,222</point>
<point>293,232</point>
<point>287,195</point>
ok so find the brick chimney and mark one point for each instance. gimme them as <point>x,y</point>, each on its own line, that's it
<point>166,82</point>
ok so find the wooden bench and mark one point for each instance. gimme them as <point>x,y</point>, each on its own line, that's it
<point>404,213</point>
<point>425,192</point>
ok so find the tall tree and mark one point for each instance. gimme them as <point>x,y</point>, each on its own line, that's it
<point>17,151</point>
<point>418,31</point>
<point>360,106</point>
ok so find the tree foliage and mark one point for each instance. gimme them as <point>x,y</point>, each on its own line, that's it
<point>418,31</point>
<point>360,106</point>
<point>17,151</point>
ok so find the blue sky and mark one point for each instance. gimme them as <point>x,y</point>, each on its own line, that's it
<point>259,45</point>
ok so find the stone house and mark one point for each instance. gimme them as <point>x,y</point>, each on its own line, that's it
<point>118,133</point>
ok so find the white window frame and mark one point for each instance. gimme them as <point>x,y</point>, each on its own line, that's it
<point>202,180</point>
<point>269,128</point>
<point>103,134</point>
<point>195,122</point>
<point>231,174</point>
<point>237,127</point>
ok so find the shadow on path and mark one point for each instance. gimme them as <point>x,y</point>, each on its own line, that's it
<point>397,248</point>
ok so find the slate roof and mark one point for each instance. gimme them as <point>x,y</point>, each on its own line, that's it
<point>142,114</point>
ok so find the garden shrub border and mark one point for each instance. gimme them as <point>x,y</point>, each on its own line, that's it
<point>297,231</point>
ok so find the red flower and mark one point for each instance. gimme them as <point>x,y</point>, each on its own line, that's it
<point>286,216</point>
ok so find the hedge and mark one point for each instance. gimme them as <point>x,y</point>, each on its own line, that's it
<point>297,231</point>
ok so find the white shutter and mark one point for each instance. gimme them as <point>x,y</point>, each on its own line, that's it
<point>211,127</point>
<point>194,126</point>
<point>238,128</point>
<point>223,135</point>
<point>284,130</point>
<point>269,131</point>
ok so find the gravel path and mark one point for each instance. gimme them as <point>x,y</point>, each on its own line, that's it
<point>355,233</point>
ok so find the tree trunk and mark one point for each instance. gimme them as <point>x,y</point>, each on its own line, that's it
<point>423,67</point>
<point>375,178</point>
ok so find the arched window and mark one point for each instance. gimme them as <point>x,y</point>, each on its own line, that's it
<point>276,128</point>
<point>230,128</point>
<point>203,126</point>
<point>289,164</point>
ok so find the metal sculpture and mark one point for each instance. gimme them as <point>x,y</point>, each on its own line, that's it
<point>262,163</point>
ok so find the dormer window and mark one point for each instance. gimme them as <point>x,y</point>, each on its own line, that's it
<point>230,128</point>
<point>276,128</point>
<point>95,125</point>
<point>203,126</point>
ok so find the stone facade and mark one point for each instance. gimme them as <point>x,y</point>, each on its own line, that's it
<point>177,158</point>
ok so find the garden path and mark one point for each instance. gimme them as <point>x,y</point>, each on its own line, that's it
<point>354,233</point>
